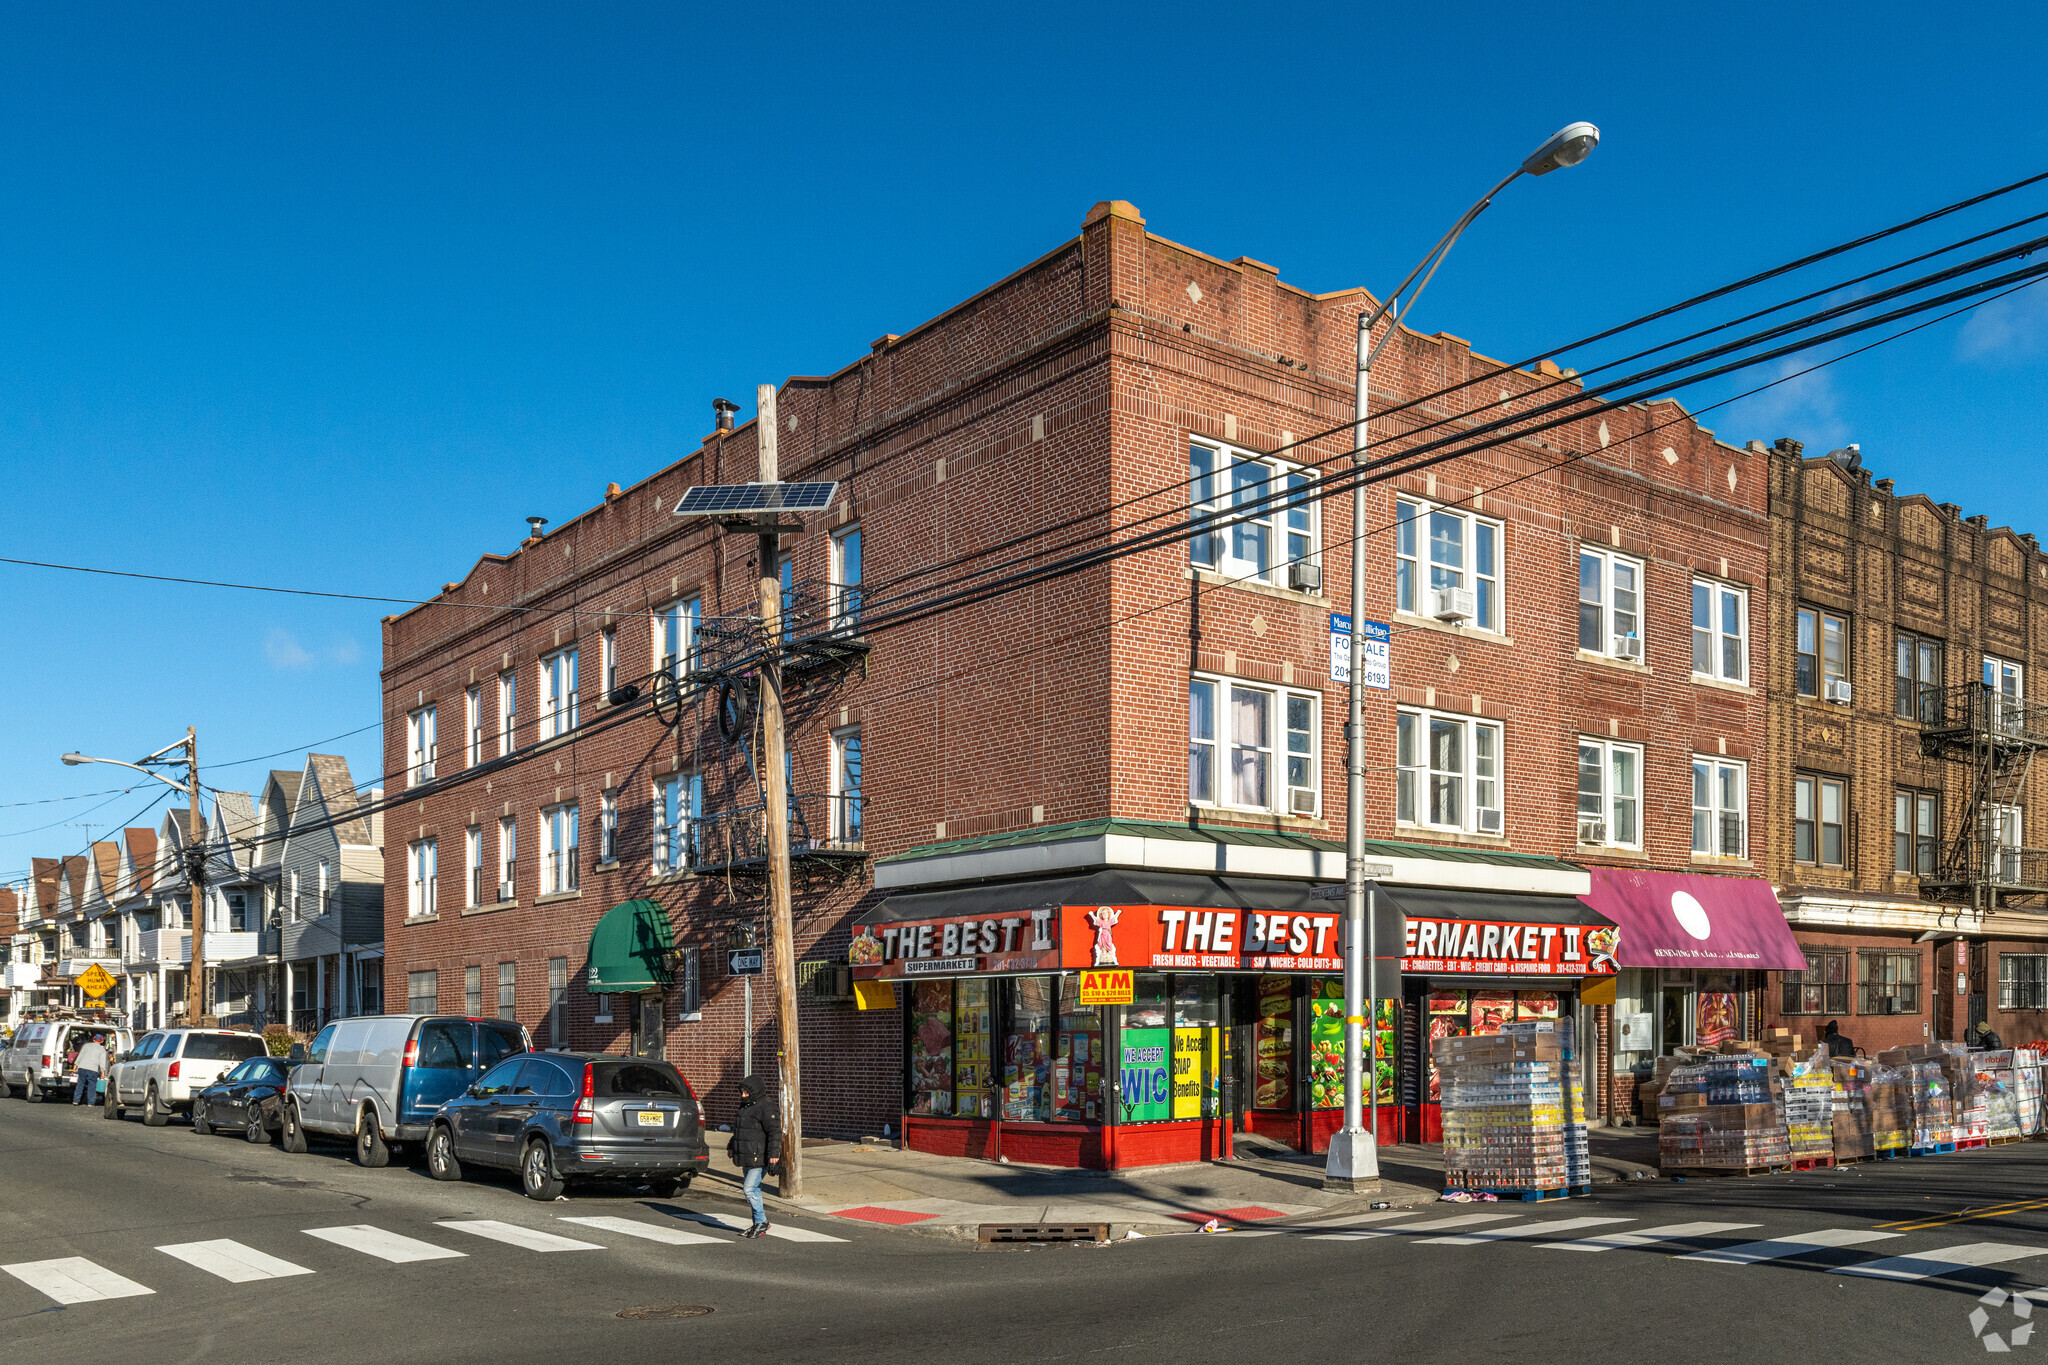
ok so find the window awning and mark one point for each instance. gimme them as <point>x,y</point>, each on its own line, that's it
<point>1680,919</point>
<point>629,949</point>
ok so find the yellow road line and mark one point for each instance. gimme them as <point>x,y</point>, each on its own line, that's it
<point>1992,1211</point>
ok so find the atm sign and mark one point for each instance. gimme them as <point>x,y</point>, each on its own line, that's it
<point>1106,988</point>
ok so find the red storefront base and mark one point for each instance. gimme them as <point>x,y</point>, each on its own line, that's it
<point>1083,1146</point>
<point>1310,1132</point>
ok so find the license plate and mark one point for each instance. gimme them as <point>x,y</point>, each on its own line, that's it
<point>650,1118</point>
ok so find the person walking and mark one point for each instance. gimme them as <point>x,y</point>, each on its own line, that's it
<point>756,1147</point>
<point>1836,1042</point>
<point>92,1061</point>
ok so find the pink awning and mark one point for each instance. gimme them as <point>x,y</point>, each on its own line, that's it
<point>1679,919</point>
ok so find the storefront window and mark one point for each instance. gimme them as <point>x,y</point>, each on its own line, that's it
<point>1027,1050</point>
<point>931,1047</point>
<point>1273,1045</point>
<point>970,1049</point>
<point>1450,1016</point>
<point>1326,1044</point>
<point>1194,1002</point>
<point>1077,1063</point>
<point>1148,1002</point>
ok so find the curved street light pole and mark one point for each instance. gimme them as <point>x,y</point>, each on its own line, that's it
<point>1354,1149</point>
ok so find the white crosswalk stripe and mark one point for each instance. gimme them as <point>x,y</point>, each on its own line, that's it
<point>385,1246</point>
<point>73,1279</point>
<point>511,1234</point>
<point>787,1234</point>
<point>1968,1256</point>
<point>1345,1236</point>
<point>1779,1248</point>
<point>1549,1229</point>
<point>1672,1232</point>
<point>1463,1220</point>
<point>232,1261</point>
<point>653,1232</point>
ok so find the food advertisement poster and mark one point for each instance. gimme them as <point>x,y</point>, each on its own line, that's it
<point>1145,1081</point>
<point>1491,1009</point>
<point>1716,1021</point>
<point>931,1047</point>
<point>1441,1026</point>
<point>1273,1045</point>
<point>1447,1002</point>
<point>1326,1046</point>
<point>1535,1005</point>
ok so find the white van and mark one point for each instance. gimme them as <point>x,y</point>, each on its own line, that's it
<point>35,1063</point>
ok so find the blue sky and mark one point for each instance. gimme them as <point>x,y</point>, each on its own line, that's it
<point>335,297</point>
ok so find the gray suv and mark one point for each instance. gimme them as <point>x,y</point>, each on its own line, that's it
<point>381,1078</point>
<point>555,1117</point>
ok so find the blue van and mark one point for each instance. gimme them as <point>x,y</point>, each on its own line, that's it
<point>381,1078</point>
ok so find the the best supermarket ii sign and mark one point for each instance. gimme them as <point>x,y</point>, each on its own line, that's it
<point>1504,948</point>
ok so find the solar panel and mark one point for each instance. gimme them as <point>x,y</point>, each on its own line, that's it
<point>748,499</point>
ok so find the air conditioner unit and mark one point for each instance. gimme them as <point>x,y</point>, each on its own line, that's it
<point>1836,689</point>
<point>1304,577</point>
<point>1592,830</point>
<point>1629,647</point>
<point>1489,822</point>
<point>832,982</point>
<point>1301,801</point>
<point>1454,606</point>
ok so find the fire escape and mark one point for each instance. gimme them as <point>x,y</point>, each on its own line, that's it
<point>1995,736</point>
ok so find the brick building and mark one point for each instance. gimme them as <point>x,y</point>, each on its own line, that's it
<point>1902,633</point>
<point>1573,620</point>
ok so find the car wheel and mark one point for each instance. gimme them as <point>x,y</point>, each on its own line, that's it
<point>371,1149</point>
<point>33,1091</point>
<point>441,1161</point>
<point>154,1115</point>
<point>257,1134</point>
<point>293,1138</point>
<point>672,1189</point>
<point>111,1109</point>
<point>537,1178</point>
<point>200,1123</point>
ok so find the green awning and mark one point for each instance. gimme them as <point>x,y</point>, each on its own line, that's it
<point>629,949</point>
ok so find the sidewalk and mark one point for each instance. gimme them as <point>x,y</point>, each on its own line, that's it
<point>878,1182</point>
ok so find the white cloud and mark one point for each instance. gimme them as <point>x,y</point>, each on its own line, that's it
<point>2006,329</point>
<point>1806,408</point>
<point>345,651</point>
<point>283,650</point>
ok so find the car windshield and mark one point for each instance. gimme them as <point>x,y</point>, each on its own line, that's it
<point>221,1047</point>
<point>636,1079</point>
<point>445,1046</point>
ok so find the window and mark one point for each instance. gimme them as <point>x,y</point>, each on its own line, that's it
<point>1916,830</point>
<point>678,804</point>
<point>508,857</point>
<point>558,701</point>
<point>1463,552</point>
<point>2022,981</point>
<point>785,570</point>
<point>1610,793</point>
<point>558,995</point>
<point>2002,680</point>
<point>420,746</point>
<point>2001,843</point>
<point>558,849</point>
<point>508,713</point>
<point>1611,605</point>
<point>846,800</point>
<point>506,992</point>
<point>1448,772</point>
<point>1823,988</point>
<point>676,631</point>
<point>473,990</point>
<point>1264,500</point>
<point>846,580</point>
<point>473,725</point>
<point>1268,727</point>
<point>325,903</point>
<point>693,987</point>
<point>608,660</point>
<point>1720,809</point>
<point>1720,620</point>
<point>422,992</point>
<point>1888,983</point>
<point>1919,678</point>
<point>1817,806</point>
<point>473,866</point>
<point>238,912</point>
<point>1820,651</point>
<point>425,873</point>
<point>608,827</point>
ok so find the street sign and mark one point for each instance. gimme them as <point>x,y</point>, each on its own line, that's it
<point>1334,891</point>
<point>1375,652</point>
<point>743,961</point>
<point>95,981</point>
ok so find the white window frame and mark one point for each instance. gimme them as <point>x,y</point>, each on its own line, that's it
<point>473,866</point>
<point>422,745</point>
<point>845,783</point>
<point>2010,706</point>
<point>846,591</point>
<point>558,848</point>
<point>2002,828</point>
<point>423,862</point>
<point>508,859</point>
<point>675,635</point>
<point>1275,751</point>
<point>1710,778</point>
<point>608,826</point>
<point>1610,802</point>
<point>1416,570</point>
<point>508,713</point>
<point>608,660</point>
<point>1713,639</point>
<point>473,725</point>
<point>678,803</point>
<point>559,703</point>
<point>1610,622</point>
<point>1284,493</point>
<point>1415,776</point>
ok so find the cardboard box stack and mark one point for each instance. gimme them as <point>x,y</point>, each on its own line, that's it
<point>1855,1133</point>
<point>1891,1109</point>
<point>1996,1092</point>
<point>2026,1073</point>
<point>1809,1100</point>
<point>1504,1111</point>
<point>1719,1113</point>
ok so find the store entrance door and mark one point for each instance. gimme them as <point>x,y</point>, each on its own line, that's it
<point>1675,1019</point>
<point>650,1035</point>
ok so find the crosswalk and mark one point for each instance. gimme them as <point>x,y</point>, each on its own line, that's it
<point>72,1280</point>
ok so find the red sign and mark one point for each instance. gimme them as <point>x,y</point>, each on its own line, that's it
<point>1449,947</point>
<point>1023,941</point>
<point>1182,938</point>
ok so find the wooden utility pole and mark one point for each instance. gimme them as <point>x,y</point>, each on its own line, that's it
<point>781,930</point>
<point>195,873</point>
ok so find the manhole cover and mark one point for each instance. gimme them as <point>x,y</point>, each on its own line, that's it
<point>659,1311</point>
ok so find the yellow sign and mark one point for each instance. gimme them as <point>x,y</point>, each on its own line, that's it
<point>1105,988</point>
<point>1190,1048</point>
<point>95,981</point>
<point>874,995</point>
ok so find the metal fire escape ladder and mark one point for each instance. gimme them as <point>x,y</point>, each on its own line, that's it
<point>1987,864</point>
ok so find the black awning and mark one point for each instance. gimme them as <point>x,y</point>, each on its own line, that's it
<point>1429,902</point>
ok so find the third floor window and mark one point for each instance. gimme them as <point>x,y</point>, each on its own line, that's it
<point>1258,515</point>
<point>1820,653</point>
<point>1918,671</point>
<point>1611,605</point>
<point>675,635</point>
<point>558,694</point>
<point>1439,550</point>
<point>846,578</point>
<point>1720,618</point>
<point>420,746</point>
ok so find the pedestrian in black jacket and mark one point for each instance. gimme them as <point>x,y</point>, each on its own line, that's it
<point>756,1147</point>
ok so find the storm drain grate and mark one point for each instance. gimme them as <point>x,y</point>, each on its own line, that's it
<point>1043,1232</point>
<point>662,1311</point>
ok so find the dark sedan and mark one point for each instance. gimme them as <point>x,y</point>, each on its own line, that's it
<point>556,1117</point>
<point>246,1100</point>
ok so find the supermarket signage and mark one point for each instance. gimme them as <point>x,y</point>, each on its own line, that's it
<point>1508,948</point>
<point>1106,988</point>
<point>1158,937</point>
<point>959,946</point>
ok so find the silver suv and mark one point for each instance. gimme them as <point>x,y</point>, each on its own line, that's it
<point>168,1067</point>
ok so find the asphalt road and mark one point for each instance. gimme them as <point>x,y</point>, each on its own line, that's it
<point>114,1196</point>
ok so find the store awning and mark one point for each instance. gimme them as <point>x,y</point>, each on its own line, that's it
<point>1679,919</point>
<point>629,949</point>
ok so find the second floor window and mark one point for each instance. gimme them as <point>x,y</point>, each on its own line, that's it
<point>1438,549</point>
<point>1720,810</point>
<point>846,578</point>
<point>1818,806</point>
<point>1916,831</point>
<point>1448,772</point>
<point>558,694</point>
<point>508,858</point>
<point>846,812</point>
<point>473,867</point>
<point>558,849</point>
<point>1264,756</point>
<point>1820,651</point>
<point>608,661</point>
<point>1610,793</point>
<point>678,803</point>
<point>1611,605</point>
<point>426,871</point>
<point>508,713</point>
<point>1261,513</point>
<point>608,827</point>
<point>1720,621</point>
<point>420,746</point>
<point>473,725</point>
<point>1918,670</point>
<point>675,630</point>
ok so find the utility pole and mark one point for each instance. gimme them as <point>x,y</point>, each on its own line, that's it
<point>781,931</point>
<point>195,871</point>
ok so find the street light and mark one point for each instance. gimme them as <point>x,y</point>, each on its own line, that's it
<point>195,983</point>
<point>1354,1154</point>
